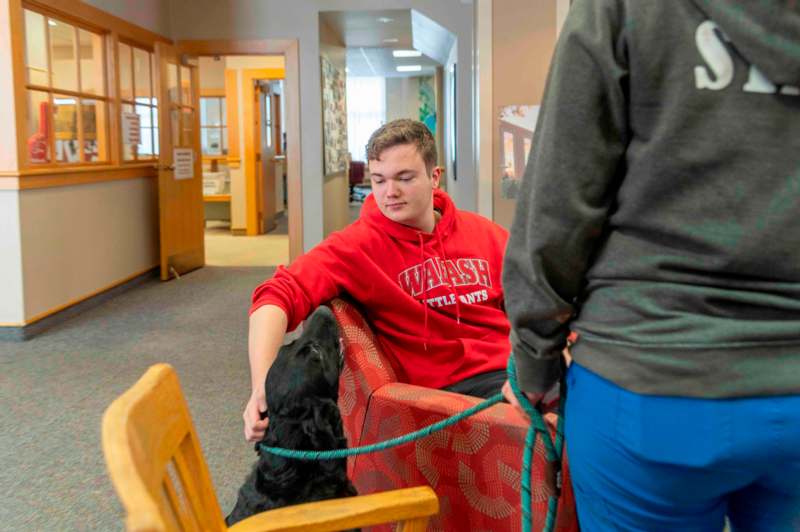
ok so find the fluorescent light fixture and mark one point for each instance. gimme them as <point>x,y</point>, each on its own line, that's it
<point>406,53</point>
<point>385,20</point>
<point>391,40</point>
<point>409,68</point>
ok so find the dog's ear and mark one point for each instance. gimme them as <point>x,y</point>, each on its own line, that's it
<point>320,423</point>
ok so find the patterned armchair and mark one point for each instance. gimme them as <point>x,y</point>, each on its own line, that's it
<point>474,466</point>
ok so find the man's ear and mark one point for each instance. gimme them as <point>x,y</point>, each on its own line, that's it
<point>436,176</point>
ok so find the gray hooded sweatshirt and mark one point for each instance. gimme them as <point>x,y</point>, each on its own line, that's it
<point>659,216</point>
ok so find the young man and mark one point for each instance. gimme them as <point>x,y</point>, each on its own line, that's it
<point>659,218</point>
<point>426,275</point>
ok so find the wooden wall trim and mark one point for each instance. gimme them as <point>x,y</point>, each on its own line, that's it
<point>17,23</point>
<point>97,19</point>
<point>232,106</point>
<point>30,179</point>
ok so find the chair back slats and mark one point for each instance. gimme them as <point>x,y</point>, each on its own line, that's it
<point>187,464</point>
<point>178,512</point>
<point>147,432</point>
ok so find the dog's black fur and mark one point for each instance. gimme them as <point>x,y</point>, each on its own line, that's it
<point>302,388</point>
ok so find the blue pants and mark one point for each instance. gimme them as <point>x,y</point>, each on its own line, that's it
<point>654,463</point>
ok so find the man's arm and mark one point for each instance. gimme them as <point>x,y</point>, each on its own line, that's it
<point>267,329</point>
<point>281,304</point>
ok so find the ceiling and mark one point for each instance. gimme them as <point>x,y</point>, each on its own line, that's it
<point>380,62</point>
<point>371,36</point>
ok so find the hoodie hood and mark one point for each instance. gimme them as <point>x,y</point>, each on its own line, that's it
<point>766,33</point>
<point>371,214</point>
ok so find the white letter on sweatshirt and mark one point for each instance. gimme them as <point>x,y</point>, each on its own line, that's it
<point>758,82</point>
<point>716,55</point>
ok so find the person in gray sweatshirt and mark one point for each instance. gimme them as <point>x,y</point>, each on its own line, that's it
<point>659,221</point>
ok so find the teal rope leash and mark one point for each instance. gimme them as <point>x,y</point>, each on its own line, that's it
<point>552,452</point>
<point>394,442</point>
<point>537,425</point>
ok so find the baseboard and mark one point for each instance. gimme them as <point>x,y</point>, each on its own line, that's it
<point>29,330</point>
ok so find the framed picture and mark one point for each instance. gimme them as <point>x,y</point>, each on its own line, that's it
<point>334,118</point>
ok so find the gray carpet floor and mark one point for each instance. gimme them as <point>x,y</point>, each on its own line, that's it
<point>55,387</point>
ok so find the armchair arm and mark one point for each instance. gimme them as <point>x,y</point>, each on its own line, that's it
<point>410,506</point>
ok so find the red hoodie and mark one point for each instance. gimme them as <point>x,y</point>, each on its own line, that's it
<point>390,269</point>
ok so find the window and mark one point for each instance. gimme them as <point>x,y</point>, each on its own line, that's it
<point>139,111</point>
<point>67,102</point>
<point>366,112</point>
<point>213,125</point>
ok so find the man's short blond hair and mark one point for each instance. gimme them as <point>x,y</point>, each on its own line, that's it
<point>403,131</point>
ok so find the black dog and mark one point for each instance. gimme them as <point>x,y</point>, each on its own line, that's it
<point>302,388</point>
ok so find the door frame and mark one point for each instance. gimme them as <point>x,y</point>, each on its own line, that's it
<point>289,48</point>
<point>250,112</point>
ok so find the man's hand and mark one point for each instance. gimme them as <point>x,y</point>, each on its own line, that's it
<point>509,396</point>
<point>546,402</point>
<point>254,426</point>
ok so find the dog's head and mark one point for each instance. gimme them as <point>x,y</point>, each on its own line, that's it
<point>307,368</point>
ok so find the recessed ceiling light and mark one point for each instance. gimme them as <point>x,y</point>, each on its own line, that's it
<point>406,53</point>
<point>385,20</point>
<point>409,68</point>
<point>51,22</point>
<point>391,40</point>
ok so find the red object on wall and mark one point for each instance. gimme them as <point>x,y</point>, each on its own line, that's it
<point>38,143</point>
<point>474,466</point>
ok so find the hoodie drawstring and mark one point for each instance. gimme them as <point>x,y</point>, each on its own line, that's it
<point>450,286</point>
<point>424,290</point>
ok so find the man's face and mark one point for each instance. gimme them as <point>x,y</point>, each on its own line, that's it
<point>402,187</point>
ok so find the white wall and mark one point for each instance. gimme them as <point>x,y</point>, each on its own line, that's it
<point>212,73</point>
<point>12,309</point>
<point>278,19</point>
<point>77,240</point>
<point>153,15</point>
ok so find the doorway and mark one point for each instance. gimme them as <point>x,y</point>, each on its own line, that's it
<point>244,164</point>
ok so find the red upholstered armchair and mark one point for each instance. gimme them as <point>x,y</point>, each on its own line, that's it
<point>474,466</point>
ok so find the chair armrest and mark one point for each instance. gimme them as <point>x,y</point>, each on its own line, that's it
<point>345,513</point>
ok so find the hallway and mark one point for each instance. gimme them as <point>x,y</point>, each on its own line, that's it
<point>224,249</point>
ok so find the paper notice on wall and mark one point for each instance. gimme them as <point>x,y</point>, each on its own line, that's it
<point>131,129</point>
<point>183,159</point>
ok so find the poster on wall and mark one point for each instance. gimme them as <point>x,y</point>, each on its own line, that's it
<point>517,123</point>
<point>334,118</point>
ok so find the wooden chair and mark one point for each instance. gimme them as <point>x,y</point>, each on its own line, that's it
<point>159,472</point>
